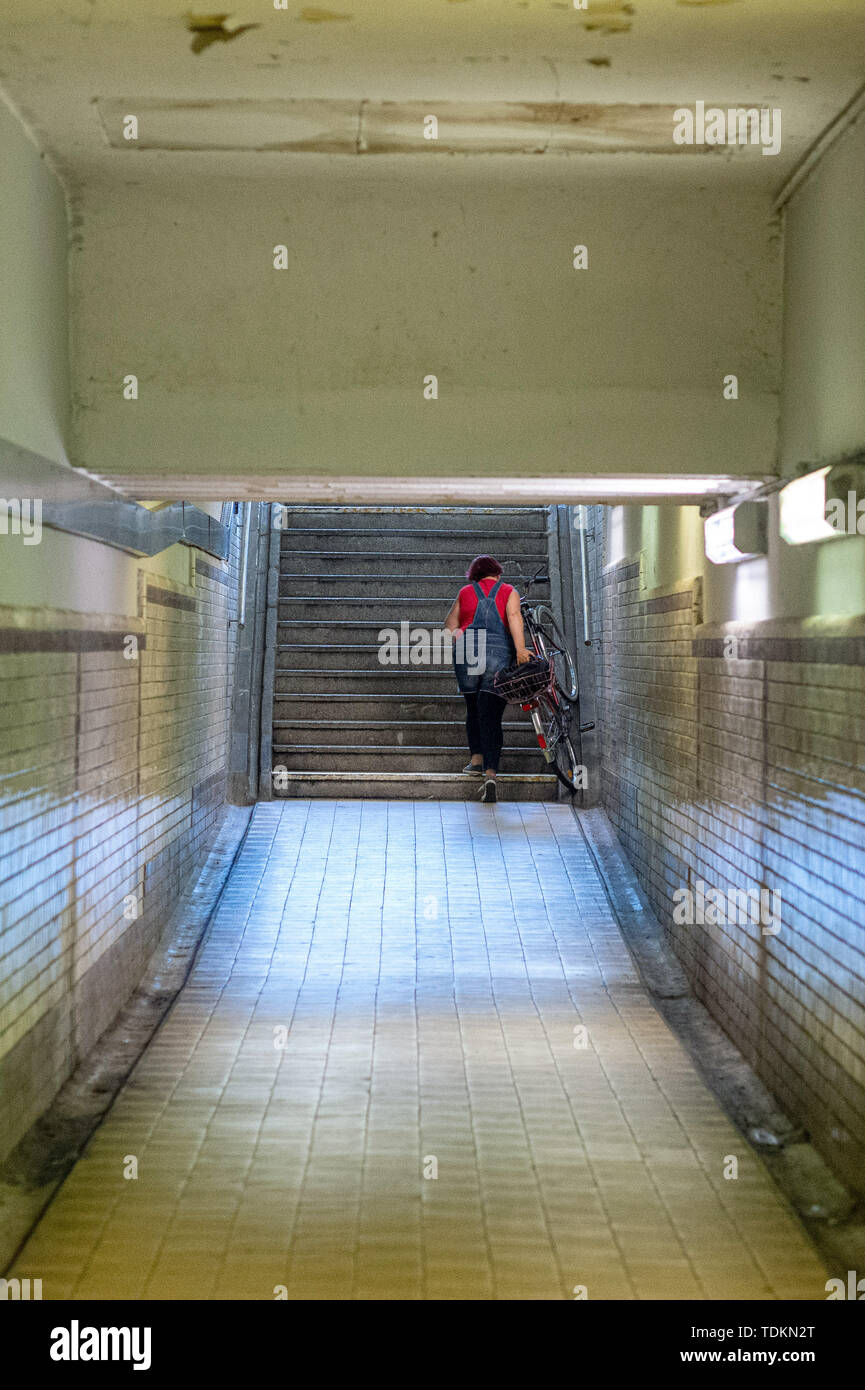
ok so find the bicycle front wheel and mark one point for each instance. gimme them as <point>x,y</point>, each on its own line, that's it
<point>564,666</point>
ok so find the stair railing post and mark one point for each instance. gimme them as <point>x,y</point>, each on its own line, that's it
<point>275,519</point>
<point>578,528</point>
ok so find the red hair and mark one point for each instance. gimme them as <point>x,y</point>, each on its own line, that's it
<point>482,567</point>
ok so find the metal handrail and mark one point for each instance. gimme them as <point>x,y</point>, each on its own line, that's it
<point>244,565</point>
<point>584,575</point>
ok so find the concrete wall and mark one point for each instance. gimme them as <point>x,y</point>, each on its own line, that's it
<point>34,373</point>
<point>732,709</point>
<point>462,269</point>
<point>112,752</point>
<point>112,789</point>
<point>824,323</point>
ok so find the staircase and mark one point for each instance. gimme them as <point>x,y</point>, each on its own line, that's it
<point>344,725</point>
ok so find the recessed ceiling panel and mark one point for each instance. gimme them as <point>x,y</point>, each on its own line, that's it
<point>323,126</point>
<point>342,127</point>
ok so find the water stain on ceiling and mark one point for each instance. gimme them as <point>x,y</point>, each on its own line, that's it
<point>608,17</point>
<point>216,28</point>
<point>338,126</point>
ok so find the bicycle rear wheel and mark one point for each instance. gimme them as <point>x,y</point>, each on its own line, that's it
<point>553,642</point>
<point>565,764</point>
<point>557,747</point>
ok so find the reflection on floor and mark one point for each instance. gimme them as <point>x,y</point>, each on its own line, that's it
<point>414,1060</point>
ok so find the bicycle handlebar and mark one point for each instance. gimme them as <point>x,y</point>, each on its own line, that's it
<point>537,578</point>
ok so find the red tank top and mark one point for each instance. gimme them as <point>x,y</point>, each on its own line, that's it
<point>469,599</point>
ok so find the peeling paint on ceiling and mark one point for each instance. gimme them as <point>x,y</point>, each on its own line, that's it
<point>608,16</point>
<point>56,55</point>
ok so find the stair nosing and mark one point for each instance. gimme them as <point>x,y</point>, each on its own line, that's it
<point>379,724</point>
<point>350,671</point>
<point>391,574</point>
<point>406,776</point>
<point>410,554</point>
<point>506,531</point>
<point>328,647</point>
<point>351,598</point>
<point>458,749</point>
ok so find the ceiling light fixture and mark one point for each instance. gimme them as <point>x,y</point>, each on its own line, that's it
<point>825,504</point>
<point>737,533</point>
<point>354,490</point>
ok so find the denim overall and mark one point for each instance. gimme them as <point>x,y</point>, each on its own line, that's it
<point>500,649</point>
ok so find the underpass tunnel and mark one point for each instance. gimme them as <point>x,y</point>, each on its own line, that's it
<point>298,321</point>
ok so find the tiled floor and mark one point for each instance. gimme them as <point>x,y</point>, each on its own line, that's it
<point>431,966</point>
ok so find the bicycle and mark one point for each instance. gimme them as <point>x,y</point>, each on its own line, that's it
<point>546,687</point>
<point>548,641</point>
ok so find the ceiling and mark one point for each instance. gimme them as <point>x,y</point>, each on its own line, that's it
<point>304,124</point>
<point>66,62</point>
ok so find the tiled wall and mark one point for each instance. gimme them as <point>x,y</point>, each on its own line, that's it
<point>112,787</point>
<point>744,767</point>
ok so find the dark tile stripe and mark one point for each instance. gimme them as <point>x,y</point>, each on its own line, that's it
<point>13,639</point>
<point>621,572</point>
<point>211,572</point>
<point>168,599</point>
<point>210,787</point>
<point>668,603</point>
<point>818,651</point>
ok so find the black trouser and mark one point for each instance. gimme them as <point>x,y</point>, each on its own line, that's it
<point>484,713</point>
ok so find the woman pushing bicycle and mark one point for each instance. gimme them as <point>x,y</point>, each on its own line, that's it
<point>490,610</point>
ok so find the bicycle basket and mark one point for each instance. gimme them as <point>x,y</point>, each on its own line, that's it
<point>523,683</point>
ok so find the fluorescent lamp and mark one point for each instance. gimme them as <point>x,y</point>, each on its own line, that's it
<point>356,126</point>
<point>803,509</point>
<point>736,533</point>
<point>623,485</point>
<point>824,504</point>
<point>443,491</point>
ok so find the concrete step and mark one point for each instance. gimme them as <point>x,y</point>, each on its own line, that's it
<point>382,681</point>
<point>396,758</point>
<point>348,633</point>
<point>344,723</point>
<point>347,630</point>
<point>416,562</point>
<point>400,786</point>
<point>396,709</point>
<point>495,520</point>
<point>383,733</point>
<point>369,609</point>
<point>359,657</point>
<point>453,541</point>
<point>334,585</point>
